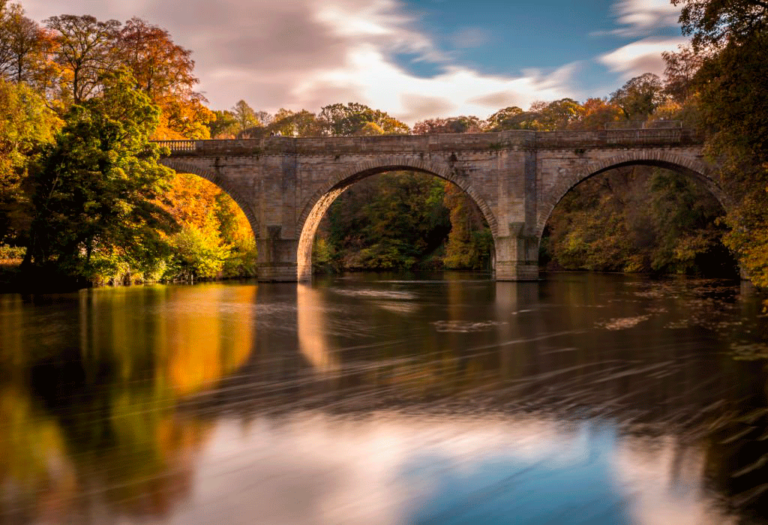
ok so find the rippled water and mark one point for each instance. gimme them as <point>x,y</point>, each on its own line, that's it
<point>591,399</point>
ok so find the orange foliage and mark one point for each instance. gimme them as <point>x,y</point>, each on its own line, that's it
<point>197,202</point>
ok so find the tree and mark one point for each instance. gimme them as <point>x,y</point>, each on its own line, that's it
<point>556,115</point>
<point>26,127</point>
<point>597,114</point>
<point>505,119</point>
<point>730,38</point>
<point>223,125</point>
<point>680,72</point>
<point>350,119</point>
<point>164,71</point>
<point>639,96</point>
<point>461,124</point>
<point>246,117</point>
<point>390,221</point>
<point>470,241</point>
<point>98,188</point>
<point>24,47</point>
<point>198,253</point>
<point>715,23</point>
<point>290,124</point>
<point>86,49</point>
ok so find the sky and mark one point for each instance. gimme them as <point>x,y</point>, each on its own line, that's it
<point>414,59</point>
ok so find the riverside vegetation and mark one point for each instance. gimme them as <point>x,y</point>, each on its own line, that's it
<point>83,199</point>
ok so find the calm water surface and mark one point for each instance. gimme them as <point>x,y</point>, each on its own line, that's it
<point>585,399</point>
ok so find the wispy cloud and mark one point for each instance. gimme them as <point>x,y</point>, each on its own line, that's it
<point>643,56</point>
<point>306,54</point>
<point>642,17</point>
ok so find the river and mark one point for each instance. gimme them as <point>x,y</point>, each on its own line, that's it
<point>387,399</point>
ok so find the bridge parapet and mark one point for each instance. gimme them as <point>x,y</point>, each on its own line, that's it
<point>404,144</point>
<point>617,137</point>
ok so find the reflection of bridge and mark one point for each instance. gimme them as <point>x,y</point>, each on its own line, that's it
<point>285,185</point>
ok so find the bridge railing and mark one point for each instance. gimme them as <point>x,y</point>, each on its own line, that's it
<point>645,124</point>
<point>421,143</point>
<point>643,136</point>
<point>177,146</point>
<point>626,137</point>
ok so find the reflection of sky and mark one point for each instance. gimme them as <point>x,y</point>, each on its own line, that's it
<point>504,487</point>
<point>386,468</point>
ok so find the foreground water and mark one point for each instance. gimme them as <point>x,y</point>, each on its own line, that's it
<point>370,399</point>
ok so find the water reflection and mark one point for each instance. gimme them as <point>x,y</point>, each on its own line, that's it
<point>583,399</point>
<point>89,383</point>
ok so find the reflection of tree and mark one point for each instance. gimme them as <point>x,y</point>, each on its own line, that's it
<point>111,433</point>
<point>35,474</point>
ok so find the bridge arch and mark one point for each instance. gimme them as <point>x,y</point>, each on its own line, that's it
<point>317,205</point>
<point>685,164</point>
<point>184,167</point>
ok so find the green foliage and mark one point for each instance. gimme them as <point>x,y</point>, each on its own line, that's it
<point>730,40</point>
<point>98,186</point>
<point>391,221</point>
<point>470,241</point>
<point>12,253</point>
<point>639,220</point>
<point>461,124</point>
<point>353,119</point>
<point>26,127</point>
<point>197,254</point>
<point>639,97</point>
<point>242,258</point>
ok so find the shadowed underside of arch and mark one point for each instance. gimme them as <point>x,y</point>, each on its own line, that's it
<point>686,165</point>
<point>182,167</point>
<point>321,200</point>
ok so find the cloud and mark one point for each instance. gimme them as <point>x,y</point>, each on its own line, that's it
<point>306,54</point>
<point>642,17</point>
<point>643,56</point>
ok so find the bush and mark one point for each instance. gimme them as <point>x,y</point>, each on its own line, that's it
<point>12,254</point>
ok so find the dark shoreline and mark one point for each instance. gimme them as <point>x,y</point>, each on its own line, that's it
<point>13,281</point>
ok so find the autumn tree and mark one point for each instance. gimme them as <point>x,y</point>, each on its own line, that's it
<point>26,127</point>
<point>98,188</point>
<point>247,117</point>
<point>462,124</point>
<point>504,119</point>
<point>555,115</point>
<point>680,72</point>
<point>639,96</point>
<point>351,119</point>
<point>222,125</point>
<point>469,242</point>
<point>296,124</point>
<point>86,48</point>
<point>715,23</point>
<point>731,40</point>
<point>24,48</point>
<point>597,113</point>
<point>164,71</point>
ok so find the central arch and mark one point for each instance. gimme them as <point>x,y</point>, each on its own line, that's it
<point>317,205</point>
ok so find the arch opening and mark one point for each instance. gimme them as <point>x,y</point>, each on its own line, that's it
<point>217,237</point>
<point>637,216</point>
<point>417,195</point>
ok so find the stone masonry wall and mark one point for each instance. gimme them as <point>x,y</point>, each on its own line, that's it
<point>285,185</point>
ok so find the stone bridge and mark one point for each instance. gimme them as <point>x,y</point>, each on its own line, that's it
<point>285,185</point>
